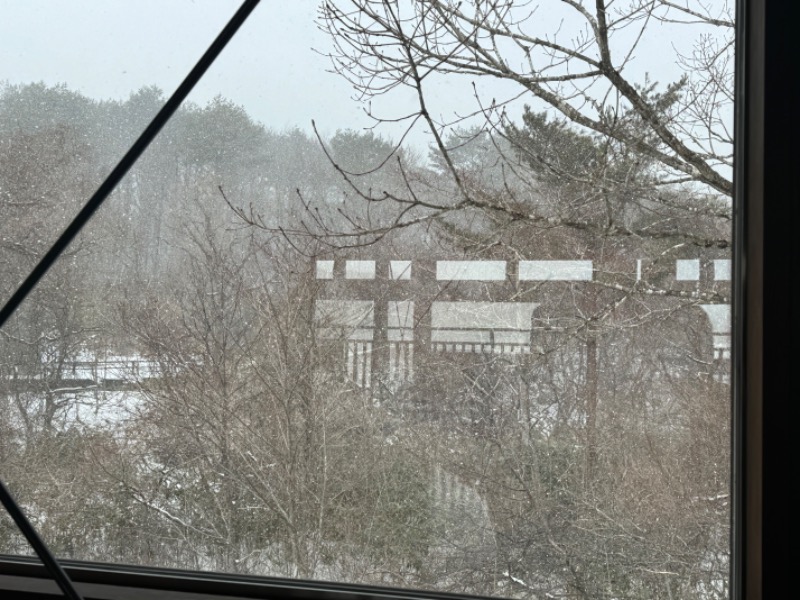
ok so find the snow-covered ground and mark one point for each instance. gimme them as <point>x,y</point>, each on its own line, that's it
<point>103,410</point>
<point>113,367</point>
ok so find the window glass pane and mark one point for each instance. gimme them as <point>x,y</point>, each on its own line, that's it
<point>418,294</point>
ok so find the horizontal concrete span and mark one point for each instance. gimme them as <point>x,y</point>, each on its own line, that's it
<point>470,336</point>
<point>471,270</point>
<point>400,313</point>
<point>400,335</point>
<point>482,315</point>
<point>359,269</point>
<point>482,327</point>
<point>555,270</point>
<point>352,314</point>
<point>722,269</point>
<point>324,269</point>
<point>400,321</point>
<point>687,269</point>
<point>338,333</point>
<point>400,269</point>
<point>719,315</point>
<point>481,336</point>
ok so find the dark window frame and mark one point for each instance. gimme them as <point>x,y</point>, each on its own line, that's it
<point>766,305</point>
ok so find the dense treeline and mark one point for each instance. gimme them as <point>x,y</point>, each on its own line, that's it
<point>594,467</point>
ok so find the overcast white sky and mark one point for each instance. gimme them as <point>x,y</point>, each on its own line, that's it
<point>109,48</point>
<point>106,49</point>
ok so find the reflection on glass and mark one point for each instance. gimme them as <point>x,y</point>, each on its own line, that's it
<point>482,347</point>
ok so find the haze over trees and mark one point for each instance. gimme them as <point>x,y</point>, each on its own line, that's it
<point>179,392</point>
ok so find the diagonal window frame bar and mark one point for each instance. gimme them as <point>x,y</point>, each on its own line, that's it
<point>762,314</point>
<point>72,230</point>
